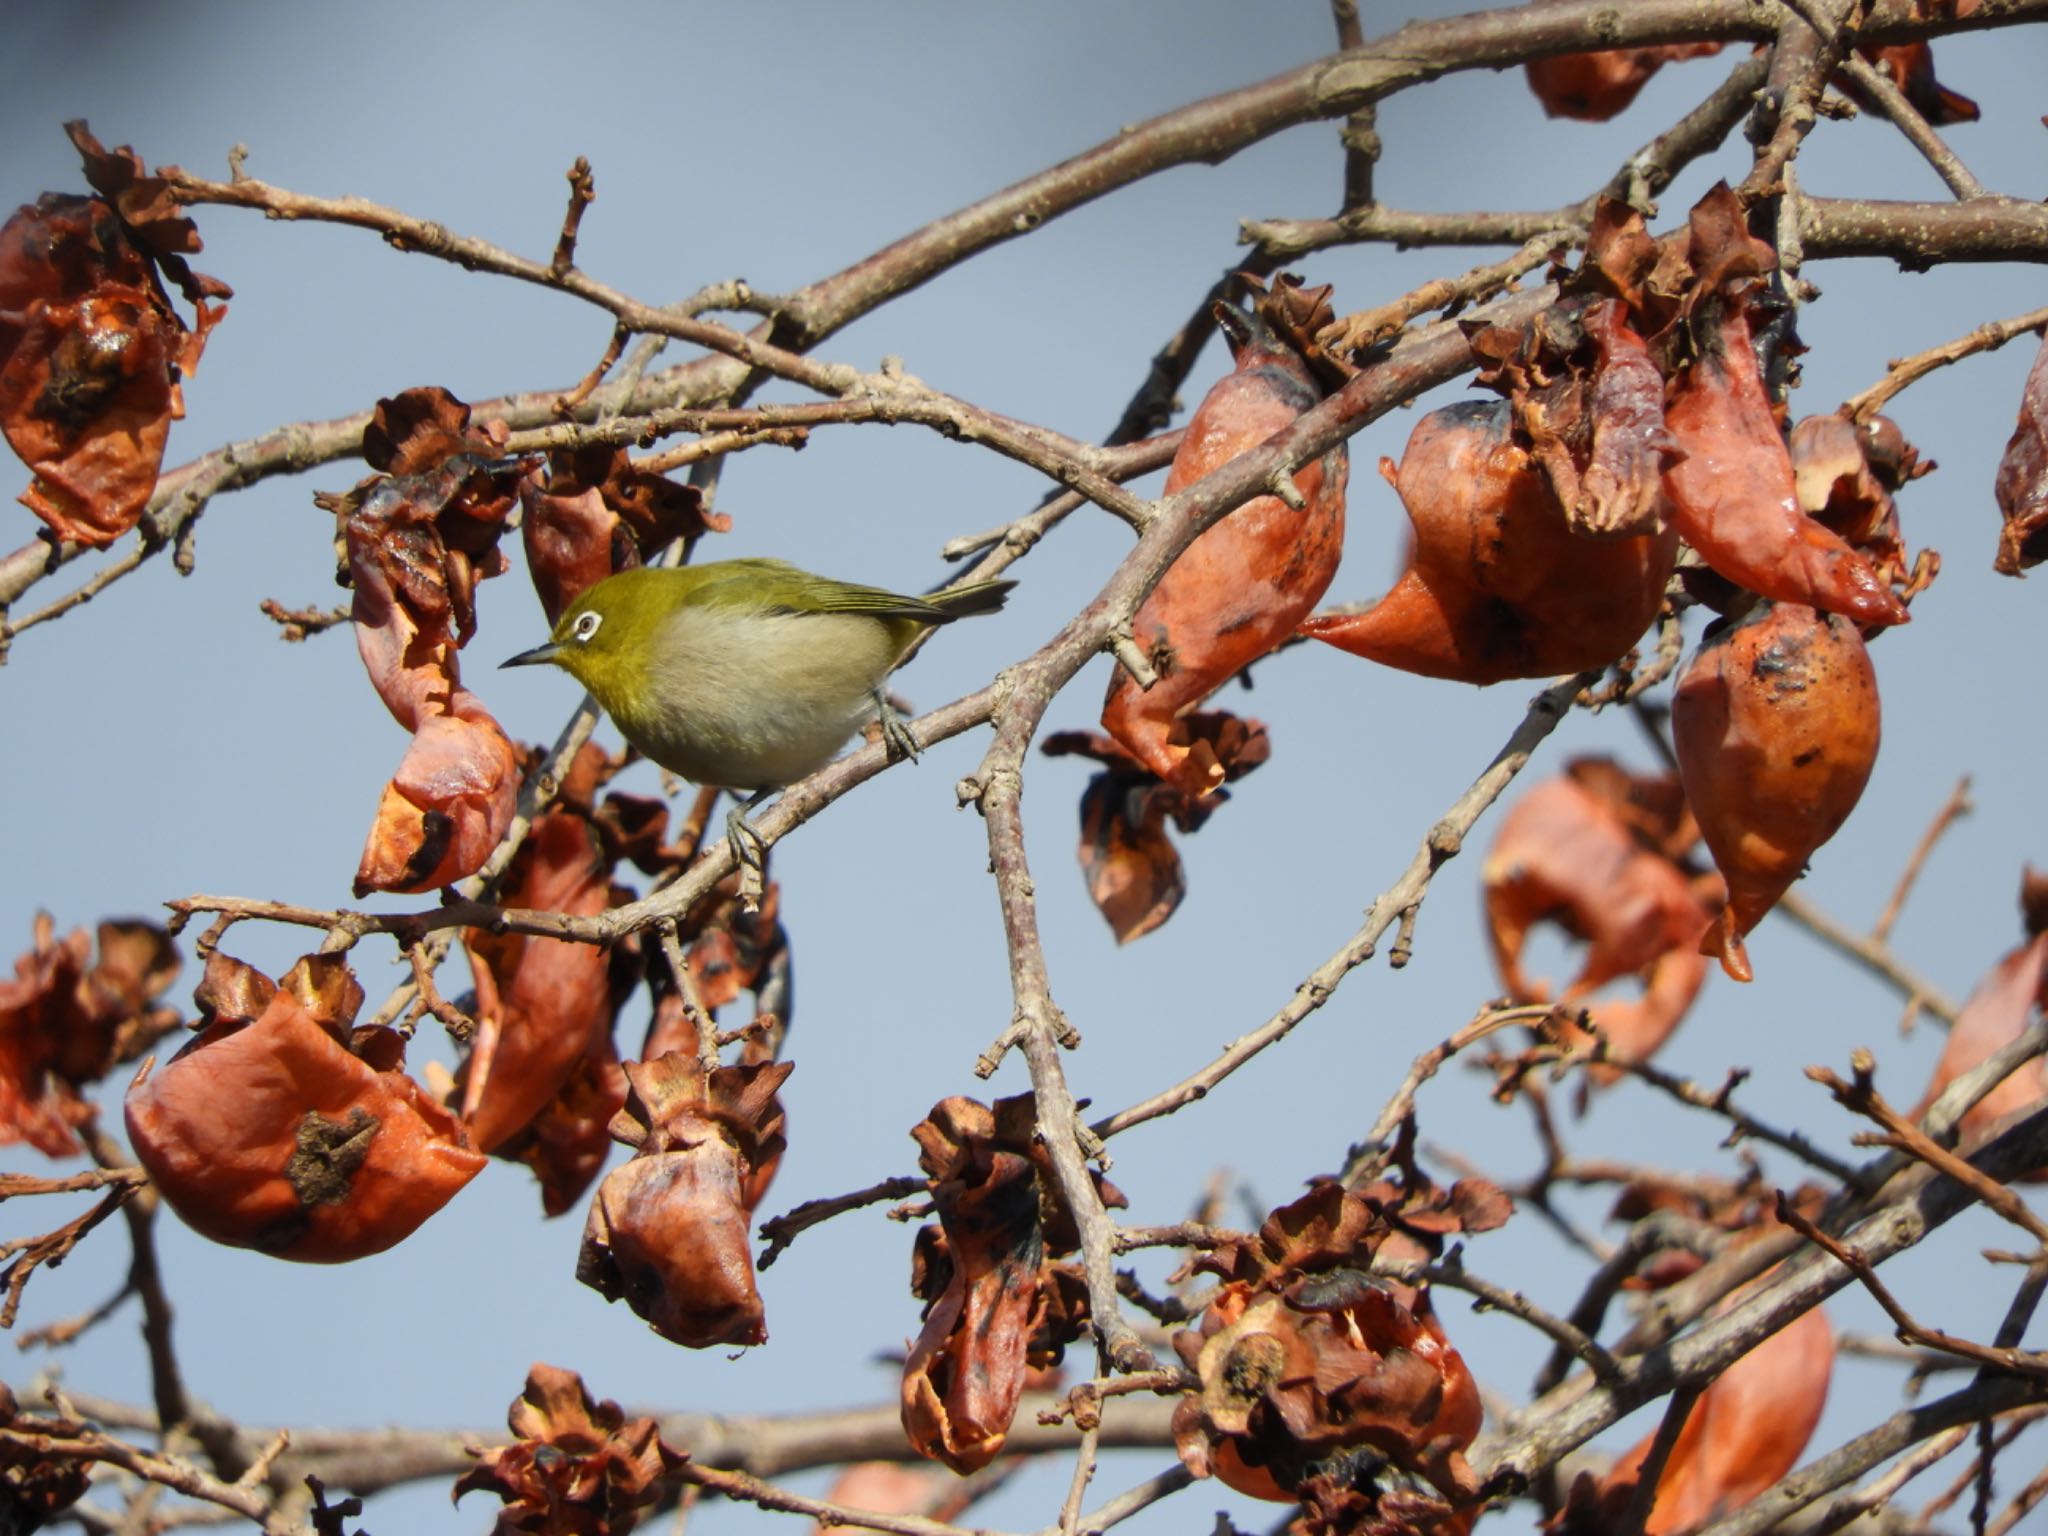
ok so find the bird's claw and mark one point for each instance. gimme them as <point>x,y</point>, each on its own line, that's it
<point>897,742</point>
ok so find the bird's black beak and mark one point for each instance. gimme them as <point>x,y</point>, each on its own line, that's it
<point>532,658</point>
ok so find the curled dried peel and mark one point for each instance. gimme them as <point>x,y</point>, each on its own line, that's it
<point>1562,855</point>
<point>1241,588</point>
<point>418,545</point>
<point>66,1019</point>
<point>1776,725</point>
<point>2022,483</point>
<point>1734,497</point>
<point>1498,586</point>
<point>1127,855</point>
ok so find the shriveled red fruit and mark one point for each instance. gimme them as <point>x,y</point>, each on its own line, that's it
<point>1733,495</point>
<point>1562,855</point>
<point>542,1005</point>
<point>294,1135</point>
<point>1498,586</point>
<point>996,1308</point>
<point>1776,724</point>
<point>2022,484</point>
<point>1242,587</point>
<point>668,1230</point>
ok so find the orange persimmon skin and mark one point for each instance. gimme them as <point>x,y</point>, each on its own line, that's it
<point>1776,725</point>
<point>223,1129</point>
<point>1246,582</point>
<point>1498,586</point>
<point>1748,1429</point>
<point>1734,497</point>
<point>1997,1011</point>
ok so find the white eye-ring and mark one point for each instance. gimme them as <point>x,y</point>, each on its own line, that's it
<point>586,626</point>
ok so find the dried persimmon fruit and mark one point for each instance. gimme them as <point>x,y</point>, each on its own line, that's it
<point>1243,585</point>
<point>1776,725</point>
<point>1498,585</point>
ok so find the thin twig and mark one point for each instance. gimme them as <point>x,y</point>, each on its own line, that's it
<point>582,193</point>
<point>778,1232</point>
<point>1901,372</point>
<point>1403,896</point>
<point>1873,955</point>
<point>1644,1497</point>
<point>1910,1329</point>
<point>1952,809</point>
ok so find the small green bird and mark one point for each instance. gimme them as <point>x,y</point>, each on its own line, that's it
<point>746,674</point>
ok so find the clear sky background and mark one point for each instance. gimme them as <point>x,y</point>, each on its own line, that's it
<point>163,741</point>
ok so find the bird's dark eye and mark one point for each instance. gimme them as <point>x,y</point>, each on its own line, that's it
<point>587,625</point>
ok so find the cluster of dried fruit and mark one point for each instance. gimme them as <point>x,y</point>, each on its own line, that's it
<point>285,1127</point>
<point>1637,413</point>
<point>1325,1379</point>
<point>574,1465</point>
<point>997,1304</point>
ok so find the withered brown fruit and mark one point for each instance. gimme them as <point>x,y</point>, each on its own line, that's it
<point>996,1308</point>
<point>66,1020</point>
<point>1133,870</point>
<point>2022,484</point>
<point>1305,1357</point>
<point>417,546</point>
<point>1776,725</point>
<point>294,1134</point>
<point>91,359</point>
<point>1241,588</point>
<point>542,1005</point>
<point>1498,585</point>
<point>1593,87</point>
<point>668,1230</point>
<point>596,514</point>
<point>578,1467</point>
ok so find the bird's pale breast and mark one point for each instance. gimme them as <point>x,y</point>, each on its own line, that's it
<point>752,700</point>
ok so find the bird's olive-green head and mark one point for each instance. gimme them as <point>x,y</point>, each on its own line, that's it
<point>605,638</point>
